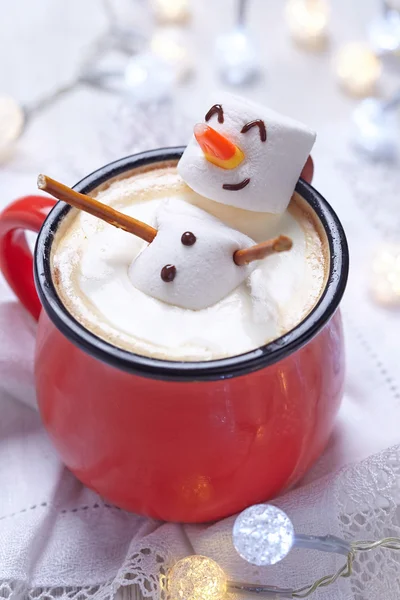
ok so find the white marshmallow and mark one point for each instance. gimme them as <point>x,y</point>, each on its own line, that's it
<point>273,166</point>
<point>205,271</point>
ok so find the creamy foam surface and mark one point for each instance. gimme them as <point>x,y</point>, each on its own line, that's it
<point>91,259</point>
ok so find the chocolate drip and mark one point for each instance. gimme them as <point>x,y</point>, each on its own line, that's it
<point>216,109</point>
<point>261,126</point>
<point>234,187</point>
<point>168,273</point>
<point>188,238</point>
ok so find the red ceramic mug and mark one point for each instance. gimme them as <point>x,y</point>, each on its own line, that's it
<point>178,441</point>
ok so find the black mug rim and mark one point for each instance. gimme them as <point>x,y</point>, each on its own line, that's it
<point>212,370</point>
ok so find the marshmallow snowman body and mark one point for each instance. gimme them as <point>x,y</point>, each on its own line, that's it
<point>205,271</point>
<point>272,164</point>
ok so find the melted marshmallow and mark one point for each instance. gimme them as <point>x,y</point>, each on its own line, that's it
<point>91,261</point>
<point>273,166</point>
<point>205,271</point>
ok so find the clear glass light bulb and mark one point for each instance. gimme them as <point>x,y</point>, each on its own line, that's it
<point>236,56</point>
<point>148,77</point>
<point>384,31</point>
<point>376,130</point>
<point>171,11</point>
<point>308,22</point>
<point>196,578</point>
<point>385,275</point>
<point>263,534</point>
<point>171,45</point>
<point>11,124</point>
<point>358,69</point>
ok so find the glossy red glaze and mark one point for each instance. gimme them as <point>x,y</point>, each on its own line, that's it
<point>179,451</point>
<point>189,451</point>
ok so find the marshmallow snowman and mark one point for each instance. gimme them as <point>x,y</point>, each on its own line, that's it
<point>246,155</point>
<point>190,261</point>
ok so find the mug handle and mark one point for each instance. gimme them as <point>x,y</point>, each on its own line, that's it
<point>16,261</point>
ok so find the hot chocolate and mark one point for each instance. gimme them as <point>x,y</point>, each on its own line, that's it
<point>91,262</point>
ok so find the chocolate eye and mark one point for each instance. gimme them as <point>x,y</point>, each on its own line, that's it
<point>261,127</point>
<point>168,273</point>
<point>188,238</point>
<point>215,110</point>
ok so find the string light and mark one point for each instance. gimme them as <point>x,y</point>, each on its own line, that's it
<point>170,45</point>
<point>374,130</point>
<point>384,30</point>
<point>11,124</point>
<point>171,11</point>
<point>358,69</point>
<point>236,55</point>
<point>201,578</point>
<point>308,22</point>
<point>196,578</point>
<point>263,534</point>
<point>385,276</point>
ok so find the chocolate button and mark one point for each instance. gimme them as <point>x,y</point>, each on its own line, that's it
<point>168,273</point>
<point>188,238</point>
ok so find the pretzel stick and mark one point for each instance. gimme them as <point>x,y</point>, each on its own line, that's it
<point>259,251</point>
<point>96,208</point>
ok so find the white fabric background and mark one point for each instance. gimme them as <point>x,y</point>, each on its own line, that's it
<point>58,539</point>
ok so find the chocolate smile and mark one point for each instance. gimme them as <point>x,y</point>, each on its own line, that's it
<point>234,187</point>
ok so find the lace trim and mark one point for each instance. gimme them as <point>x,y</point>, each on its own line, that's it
<point>367,501</point>
<point>145,568</point>
<point>368,498</point>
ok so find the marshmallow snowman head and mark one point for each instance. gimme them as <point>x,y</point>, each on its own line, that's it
<point>190,261</point>
<point>246,155</point>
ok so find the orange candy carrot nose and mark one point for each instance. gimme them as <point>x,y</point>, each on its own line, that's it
<point>217,149</point>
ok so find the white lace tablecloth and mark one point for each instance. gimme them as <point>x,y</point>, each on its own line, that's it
<point>58,539</point>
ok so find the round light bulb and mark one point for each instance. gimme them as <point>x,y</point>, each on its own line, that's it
<point>148,77</point>
<point>196,578</point>
<point>358,69</point>
<point>308,21</point>
<point>171,11</point>
<point>11,123</point>
<point>385,277</point>
<point>375,130</point>
<point>384,32</point>
<point>237,57</point>
<point>263,534</point>
<point>170,45</point>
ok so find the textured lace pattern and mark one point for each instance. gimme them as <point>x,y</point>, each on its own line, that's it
<point>144,572</point>
<point>362,503</point>
<point>368,499</point>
